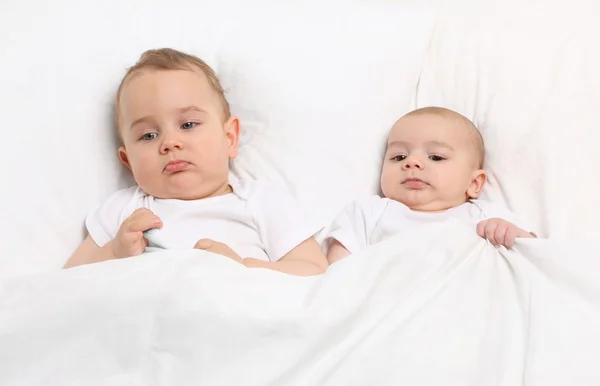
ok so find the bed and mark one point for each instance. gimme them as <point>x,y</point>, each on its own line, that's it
<point>316,85</point>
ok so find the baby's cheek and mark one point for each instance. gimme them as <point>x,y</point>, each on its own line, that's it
<point>389,182</point>
<point>215,154</point>
<point>143,164</point>
<point>390,174</point>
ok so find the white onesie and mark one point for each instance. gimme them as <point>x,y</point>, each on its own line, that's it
<point>257,220</point>
<point>374,219</point>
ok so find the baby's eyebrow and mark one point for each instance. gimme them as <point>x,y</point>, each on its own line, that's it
<point>146,119</point>
<point>440,144</point>
<point>191,108</point>
<point>404,144</point>
<point>397,144</point>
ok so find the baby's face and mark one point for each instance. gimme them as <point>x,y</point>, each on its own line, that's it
<point>430,163</point>
<point>175,140</point>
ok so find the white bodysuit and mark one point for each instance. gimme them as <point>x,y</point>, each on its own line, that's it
<point>374,219</point>
<point>258,219</point>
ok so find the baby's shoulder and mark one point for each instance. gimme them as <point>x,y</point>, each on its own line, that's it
<point>495,209</point>
<point>368,205</point>
<point>488,208</point>
<point>273,205</point>
<point>123,197</point>
<point>266,198</point>
<point>258,190</point>
<point>104,220</point>
<point>371,201</point>
<point>119,204</point>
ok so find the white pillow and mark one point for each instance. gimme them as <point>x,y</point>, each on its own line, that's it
<point>59,71</point>
<point>527,74</point>
<point>319,109</point>
<point>316,85</point>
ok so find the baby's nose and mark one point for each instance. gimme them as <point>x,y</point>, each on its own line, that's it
<point>170,143</point>
<point>412,163</point>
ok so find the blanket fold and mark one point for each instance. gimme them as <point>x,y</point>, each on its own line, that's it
<point>436,306</point>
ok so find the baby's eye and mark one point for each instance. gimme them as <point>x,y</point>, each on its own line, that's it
<point>149,136</point>
<point>188,125</point>
<point>399,158</point>
<point>436,158</point>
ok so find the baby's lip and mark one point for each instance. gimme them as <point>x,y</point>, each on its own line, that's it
<point>413,179</point>
<point>413,182</point>
<point>176,165</point>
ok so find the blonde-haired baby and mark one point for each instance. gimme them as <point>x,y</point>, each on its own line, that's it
<point>178,138</point>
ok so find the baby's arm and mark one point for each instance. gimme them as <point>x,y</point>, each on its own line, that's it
<point>89,252</point>
<point>306,259</point>
<point>129,241</point>
<point>349,232</point>
<point>336,252</point>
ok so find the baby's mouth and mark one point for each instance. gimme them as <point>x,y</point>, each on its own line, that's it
<point>414,183</point>
<point>176,166</point>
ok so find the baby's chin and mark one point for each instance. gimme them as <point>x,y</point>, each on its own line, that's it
<point>419,203</point>
<point>179,191</point>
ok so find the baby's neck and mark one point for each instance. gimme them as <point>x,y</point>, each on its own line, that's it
<point>221,191</point>
<point>433,208</point>
<point>440,210</point>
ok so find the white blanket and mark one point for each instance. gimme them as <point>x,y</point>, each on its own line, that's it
<point>439,306</point>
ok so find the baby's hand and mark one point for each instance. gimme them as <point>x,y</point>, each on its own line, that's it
<point>130,239</point>
<point>218,248</point>
<point>500,232</point>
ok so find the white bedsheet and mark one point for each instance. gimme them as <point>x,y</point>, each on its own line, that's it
<point>439,306</point>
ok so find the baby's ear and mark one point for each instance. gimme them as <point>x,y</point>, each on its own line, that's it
<point>477,182</point>
<point>123,157</point>
<point>232,134</point>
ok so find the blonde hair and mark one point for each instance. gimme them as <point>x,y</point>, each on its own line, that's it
<point>453,115</point>
<point>170,59</point>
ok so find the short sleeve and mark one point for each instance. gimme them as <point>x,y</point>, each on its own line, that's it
<point>495,210</point>
<point>281,221</point>
<point>104,221</point>
<point>354,225</point>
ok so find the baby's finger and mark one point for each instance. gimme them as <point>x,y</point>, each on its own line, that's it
<point>481,228</point>
<point>490,230</point>
<point>511,235</point>
<point>143,223</point>
<point>212,246</point>
<point>131,238</point>
<point>500,234</point>
<point>140,246</point>
<point>218,248</point>
<point>132,244</point>
<point>203,244</point>
<point>141,212</point>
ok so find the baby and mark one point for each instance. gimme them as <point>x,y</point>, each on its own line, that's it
<point>178,138</point>
<point>432,171</point>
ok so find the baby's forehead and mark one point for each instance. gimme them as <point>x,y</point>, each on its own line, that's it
<point>185,78</point>
<point>165,87</point>
<point>429,128</point>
